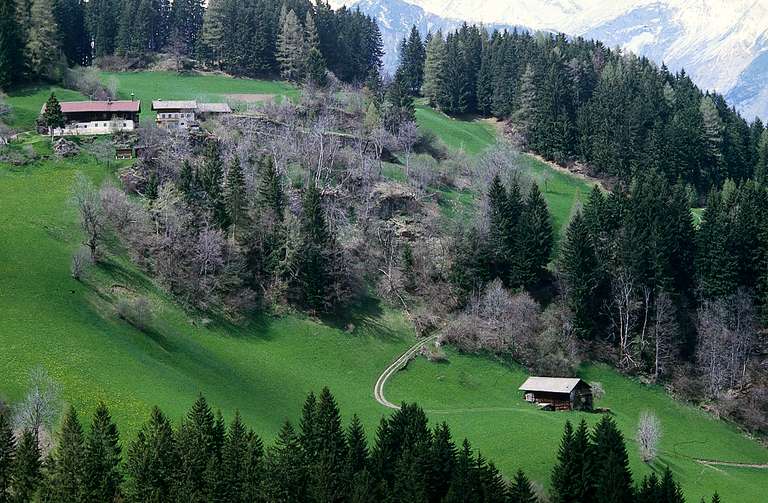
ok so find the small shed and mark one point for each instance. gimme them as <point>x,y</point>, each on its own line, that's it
<point>558,392</point>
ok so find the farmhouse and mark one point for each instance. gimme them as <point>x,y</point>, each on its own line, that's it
<point>98,117</point>
<point>186,114</point>
<point>558,393</point>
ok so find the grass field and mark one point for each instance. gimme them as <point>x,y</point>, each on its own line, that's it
<point>28,101</point>
<point>562,191</point>
<point>479,399</point>
<point>148,86</point>
<point>266,366</point>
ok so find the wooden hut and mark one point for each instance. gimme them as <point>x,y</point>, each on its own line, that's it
<point>558,393</point>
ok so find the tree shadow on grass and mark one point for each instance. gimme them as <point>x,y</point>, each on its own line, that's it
<point>364,317</point>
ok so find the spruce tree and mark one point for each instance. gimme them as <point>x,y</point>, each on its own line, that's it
<point>196,445</point>
<point>761,169</point>
<point>433,68</point>
<point>11,45</point>
<point>103,26</point>
<point>316,70</point>
<point>43,41</point>
<point>284,463</point>
<point>412,58</point>
<point>327,471</point>
<point>669,491</point>
<point>520,490</point>
<point>235,197</point>
<point>291,48</point>
<point>565,478</point>
<point>53,116</point>
<point>442,460</point>
<point>579,264</point>
<point>186,17</point>
<point>75,39</point>
<point>526,115</point>
<point>102,474</point>
<point>499,228</point>
<point>357,448</point>
<point>26,469</point>
<point>67,476</point>
<point>613,480</point>
<point>152,461</point>
<point>234,459</point>
<point>313,277</point>
<point>464,485</point>
<point>213,35</point>
<point>648,492</point>
<point>536,238</point>
<point>7,451</point>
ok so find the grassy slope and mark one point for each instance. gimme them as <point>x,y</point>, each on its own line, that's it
<point>171,86</point>
<point>264,368</point>
<point>479,399</point>
<point>561,190</point>
<point>28,101</point>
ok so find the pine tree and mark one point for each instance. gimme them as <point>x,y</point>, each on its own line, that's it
<point>67,476</point>
<point>186,18</point>
<point>521,491</point>
<point>581,462</point>
<point>151,461</point>
<point>536,238</point>
<point>442,460</point>
<point>26,469</point>
<point>311,37</point>
<point>357,448</point>
<point>492,486</point>
<point>291,48</point>
<point>648,492</point>
<point>75,38</point>
<point>412,59</point>
<point>102,475</point>
<point>213,37</point>
<point>7,451</point>
<point>565,478</point>
<point>253,469</point>
<point>715,498</point>
<point>43,50</point>
<point>212,181</point>
<point>464,483</point>
<point>316,70</point>
<point>499,230</point>
<point>53,117</point>
<point>235,197</point>
<point>313,260</point>
<point>526,115</point>
<point>579,264</point>
<point>326,473</point>
<point>11,45</point>
<point>669,490</point>
<point>284,462</point>
<point>196,444</point>
<point>103,26</point>
<point>761,169</point>
<point>433,68</point>
<point>613,480</point>
<point>234,458</point>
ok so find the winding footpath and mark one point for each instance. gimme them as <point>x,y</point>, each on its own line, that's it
<point>402,361</point>
<point>378,389</point>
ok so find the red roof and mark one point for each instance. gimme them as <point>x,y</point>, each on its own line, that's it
<point>99,106</point>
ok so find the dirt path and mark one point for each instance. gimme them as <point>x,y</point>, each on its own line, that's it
<point>378,389</point>
<point>712,463</point>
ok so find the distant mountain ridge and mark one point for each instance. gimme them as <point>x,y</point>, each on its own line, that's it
<point>722,44</point>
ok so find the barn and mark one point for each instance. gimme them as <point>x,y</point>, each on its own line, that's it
<point>97,117</point>
<point>558,392</point>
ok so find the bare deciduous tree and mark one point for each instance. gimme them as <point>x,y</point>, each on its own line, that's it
<point>85,198</point>
<point>663,334</point>
<point>648,436</point>
<point>81,260</point>
<point>726,329</point>
<point>41,406</point>
<point>623,307</point>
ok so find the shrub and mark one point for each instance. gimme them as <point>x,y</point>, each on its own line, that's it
<point>137,312</point>
<point>81,262</point>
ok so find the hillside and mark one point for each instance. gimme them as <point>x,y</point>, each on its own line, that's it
<point>720,43</point>
<point>266,365</point>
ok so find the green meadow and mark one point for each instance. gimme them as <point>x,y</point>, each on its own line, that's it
<point>265,365</point>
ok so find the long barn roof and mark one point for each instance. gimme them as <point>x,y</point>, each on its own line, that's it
<point>98,106</point>
<point>550,384</point>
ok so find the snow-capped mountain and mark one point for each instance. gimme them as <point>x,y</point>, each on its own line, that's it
<point>395,19</point>
<point>722,44</point>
